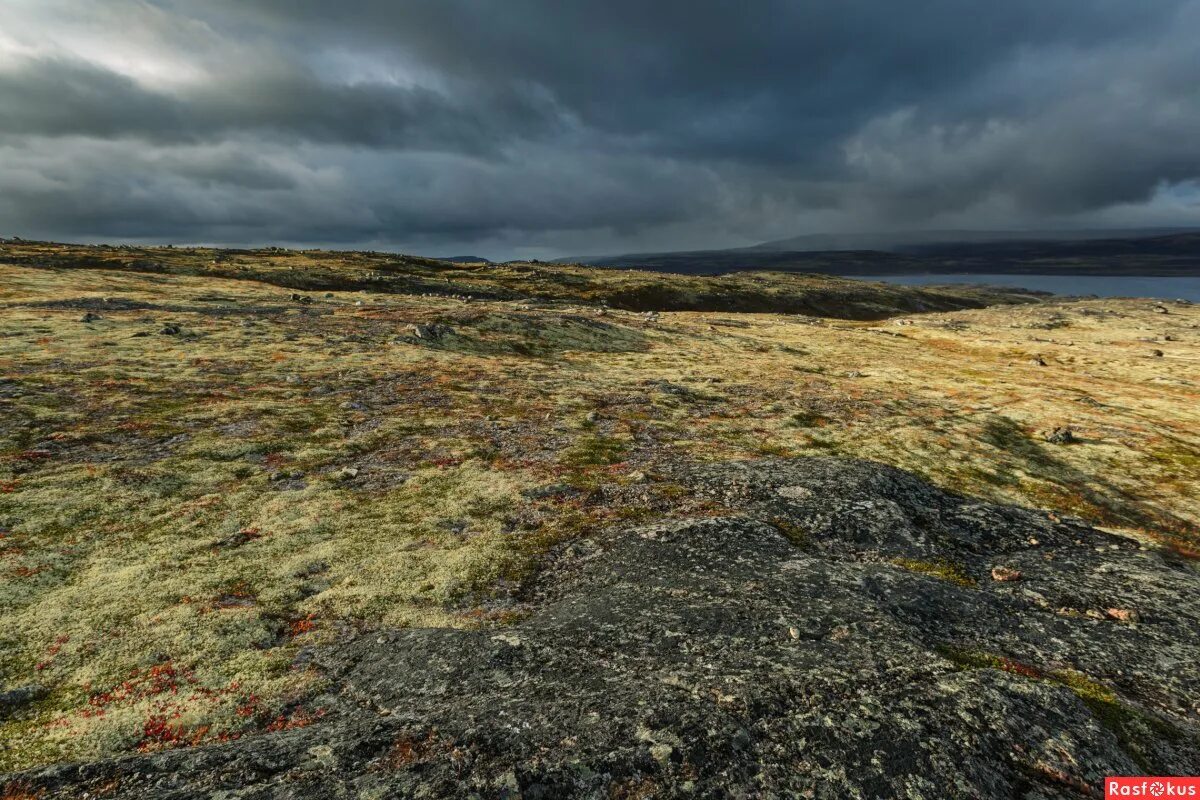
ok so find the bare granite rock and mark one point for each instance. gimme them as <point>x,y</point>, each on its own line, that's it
<point>795,648</point>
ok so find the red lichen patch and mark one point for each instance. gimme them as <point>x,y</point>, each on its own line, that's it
<point>250,707</point>
<point>275,459</point>
<point>408,750</point>
<point>980,660</point>
<point>20,790</point>
<point>8,487</point>
<point>1017,668</point>
<point>173,692</point>
<point>298,718</point>
<point>1123,615</point>
<point>159,733</point>
<point>1183,549</point>
<point>160,679</point>
<point>59,641</point>
<point>299,627</point>
<point>33,455</point>
<point>107,789</point>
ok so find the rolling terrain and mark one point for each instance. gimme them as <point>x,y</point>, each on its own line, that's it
<point>294,524</point>
<point>1175,254</point>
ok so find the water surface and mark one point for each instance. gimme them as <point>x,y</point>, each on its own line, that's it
<point>1100,285</point>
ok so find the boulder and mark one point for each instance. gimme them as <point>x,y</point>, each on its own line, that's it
<point>793,648</point>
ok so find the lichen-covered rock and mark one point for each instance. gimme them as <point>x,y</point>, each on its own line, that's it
<point>837,636</point>
<point>13,701</point>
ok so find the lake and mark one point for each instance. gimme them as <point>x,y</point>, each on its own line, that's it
<point>1100,285</point>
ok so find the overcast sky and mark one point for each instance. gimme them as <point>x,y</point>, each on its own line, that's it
<point>522,128</point>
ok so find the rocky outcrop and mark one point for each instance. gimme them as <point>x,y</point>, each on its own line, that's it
<point>838,635</point>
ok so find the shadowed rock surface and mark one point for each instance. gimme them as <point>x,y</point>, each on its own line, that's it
<point>838,635</point>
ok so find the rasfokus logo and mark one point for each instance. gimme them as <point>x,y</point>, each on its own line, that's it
<point>1151,787</point>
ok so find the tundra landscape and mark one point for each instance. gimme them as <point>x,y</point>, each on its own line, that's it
<point>224,470</point>
<point>526,400</point>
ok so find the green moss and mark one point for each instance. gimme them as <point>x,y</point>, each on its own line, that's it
<point>939,568</point>
<point>1178,457</point>
<point>795,534</point>
<point>776,449</point>
<point>595,450</point>
<point>1133,728</point>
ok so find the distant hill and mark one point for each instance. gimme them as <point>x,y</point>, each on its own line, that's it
<point>465,259</point>
<point>1172,254</point>
<point>899,241</point>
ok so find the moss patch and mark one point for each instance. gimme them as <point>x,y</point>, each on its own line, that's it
<point>940,569</point>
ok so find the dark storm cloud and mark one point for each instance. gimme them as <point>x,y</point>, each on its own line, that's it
<point>57,96</point>
<point>591,125</point>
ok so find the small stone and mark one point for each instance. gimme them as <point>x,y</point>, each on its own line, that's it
<point>431,332</point>
<point>1037,361</point>
<point>347,473</point>
<point>170,329</point>
<point>1156,353</point>
<point>1005,574</point>
<point>662,752</point>
<point>15,700</point>
<point>1123,615</point>
<point>89,317</point>
<point>1061,435</point>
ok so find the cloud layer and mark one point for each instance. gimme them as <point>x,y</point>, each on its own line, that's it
<point>537,128</point>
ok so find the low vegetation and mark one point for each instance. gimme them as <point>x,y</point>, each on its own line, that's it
<point>212,461</point>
